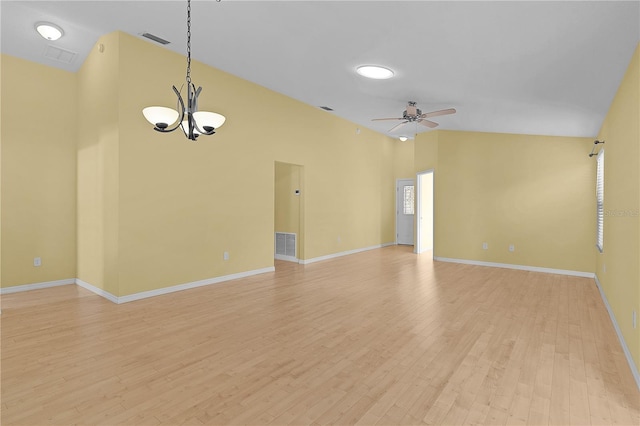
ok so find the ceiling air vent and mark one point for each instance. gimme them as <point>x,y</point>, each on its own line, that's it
<point>326,108</point>
<point>155,38</point>
<point>60,55</point>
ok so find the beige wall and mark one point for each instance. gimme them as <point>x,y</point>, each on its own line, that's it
<point>426,151</point>
<point>38,141</point>
<point>621,254</point>
<point>287,203</point>
<point>535,192</point>
<point>157,210</point>
<point>403,152</point>
<point>289,207</point>
<point>97,166</point>
<point>181,204</point>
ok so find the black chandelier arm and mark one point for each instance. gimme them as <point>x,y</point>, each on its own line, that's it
<point>165,130</point>
<point>193,107</point>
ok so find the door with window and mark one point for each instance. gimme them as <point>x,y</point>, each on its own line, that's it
<point>405,206</point>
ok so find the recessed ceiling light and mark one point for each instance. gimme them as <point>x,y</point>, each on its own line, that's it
<point>374,71</point>
<point>49,31</point>
<point>403,138</point>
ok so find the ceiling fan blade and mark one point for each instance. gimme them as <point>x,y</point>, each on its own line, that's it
<point>429,124</point>
<point>398,126</point>
<point>380,119</point>
<point>439,112</point>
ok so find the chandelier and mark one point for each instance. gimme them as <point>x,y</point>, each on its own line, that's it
<point>192,122</point>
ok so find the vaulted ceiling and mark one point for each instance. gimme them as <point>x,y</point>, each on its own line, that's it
<point>548,68</point>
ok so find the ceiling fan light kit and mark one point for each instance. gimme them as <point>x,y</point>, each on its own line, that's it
<point>192,122</point>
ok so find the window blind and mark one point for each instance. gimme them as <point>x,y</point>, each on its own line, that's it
<point>600,201</point>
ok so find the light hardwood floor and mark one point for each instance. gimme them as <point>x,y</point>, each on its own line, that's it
<point>381,337</point>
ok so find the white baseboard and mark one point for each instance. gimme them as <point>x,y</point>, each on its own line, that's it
<point>287,258</point>
<point>36,286</point>
<point>136,296</point>
<point>518,267</point>
<point>194,284</point>
<point>96,290</point>
<point>627,354</point>
<point>343,253</point>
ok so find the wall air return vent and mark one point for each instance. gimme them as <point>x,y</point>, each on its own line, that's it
<point>59,55</point>
<point>155,38</point>
<point>286,246</point>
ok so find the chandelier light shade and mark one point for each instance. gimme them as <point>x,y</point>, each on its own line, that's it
<point>191,121</point>
<point>161,117</point>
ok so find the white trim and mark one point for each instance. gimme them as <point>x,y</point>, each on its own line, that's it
<point>97,290</point>
<point>36,286</point>
<point>417,249</point>
<point>287,258</point>
<point>627,354</point>
<point>518,267</point>
<point>135,296</point>
<point>194,284</point>
<point>343,253</point>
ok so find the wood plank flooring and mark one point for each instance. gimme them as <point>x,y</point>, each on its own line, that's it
<point>382,337</point>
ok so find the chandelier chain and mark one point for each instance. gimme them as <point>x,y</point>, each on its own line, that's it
<point>167,120</point>
<point>188,42</point>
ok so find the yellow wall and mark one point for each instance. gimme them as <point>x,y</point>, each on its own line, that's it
<point>426,152</point>
<point>287,203</point>
<point>534,192</point>
<point>157,210</point>
<point>38,137</point>
<point>403,152</point>
<point>621,254</point>
<point>97,159</point>
<point>182,204</point>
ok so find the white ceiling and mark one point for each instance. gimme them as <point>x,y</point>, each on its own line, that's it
<point>548,68</point>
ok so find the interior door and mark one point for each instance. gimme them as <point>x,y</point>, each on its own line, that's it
<point>405,206</point>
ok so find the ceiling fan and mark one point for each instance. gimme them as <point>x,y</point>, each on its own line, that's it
<point>413,114</point>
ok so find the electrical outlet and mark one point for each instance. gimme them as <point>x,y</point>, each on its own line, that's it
<point>485,246</point>
<point>37,261</point>
<point>604,268</point>
<point>512,248</point>
<point>339,239</point>
<point>634,319</point>
<point>225,255</point>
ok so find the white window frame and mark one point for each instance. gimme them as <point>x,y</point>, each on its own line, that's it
<point>600,201</point>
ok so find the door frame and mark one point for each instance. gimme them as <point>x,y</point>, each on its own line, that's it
<point>418,249</point>
<point>300,243</point>
<point>413,180</point>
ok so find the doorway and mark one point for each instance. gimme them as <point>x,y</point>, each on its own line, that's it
<point>405,206</point>
<point>289,212</point>
<point>424,210</point>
